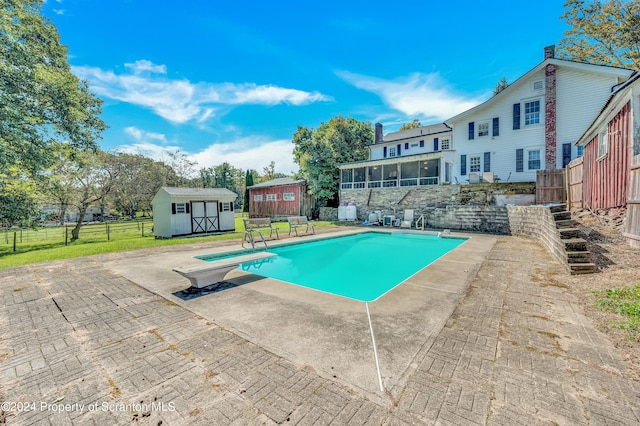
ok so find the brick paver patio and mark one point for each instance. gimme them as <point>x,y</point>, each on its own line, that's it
<point>82,345</point>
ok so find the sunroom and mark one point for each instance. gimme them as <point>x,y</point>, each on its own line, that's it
<point>418,170</point>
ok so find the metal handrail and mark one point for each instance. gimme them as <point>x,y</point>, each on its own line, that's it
<point>248,236</point>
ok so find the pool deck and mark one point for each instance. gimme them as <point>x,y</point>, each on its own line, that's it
<point>475,338</point>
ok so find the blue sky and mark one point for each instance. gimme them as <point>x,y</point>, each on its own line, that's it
<point>231,81</point>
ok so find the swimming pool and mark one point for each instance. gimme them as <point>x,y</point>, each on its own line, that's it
<point>361,267</point>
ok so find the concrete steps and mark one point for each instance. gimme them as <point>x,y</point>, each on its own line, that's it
<point>578,256</point>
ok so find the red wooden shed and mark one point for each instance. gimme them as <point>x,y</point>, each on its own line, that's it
<point>280,198</point>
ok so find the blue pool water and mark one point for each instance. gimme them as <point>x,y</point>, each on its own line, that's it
<point>362,267</point>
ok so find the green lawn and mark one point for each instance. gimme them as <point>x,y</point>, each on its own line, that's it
<point>49,244</point>
<point>626,303</point>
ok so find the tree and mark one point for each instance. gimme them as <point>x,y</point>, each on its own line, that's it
<point>318,153</point>
<point>413,125</point>
<point>248,181</point>
<point>270,172</point>
<point>502,84</point>
<point>137,181</point>
<point>183,167</point>
<point>606,33</point>
<point>42,101</point>
<point>18,201</point>
<point>91,177</point>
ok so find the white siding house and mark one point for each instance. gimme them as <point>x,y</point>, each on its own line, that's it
<point>533,123</point>
<point>413,157</point>
<point>187,211</point>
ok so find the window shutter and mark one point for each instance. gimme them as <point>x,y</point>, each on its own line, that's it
<point>435,144</point>
<point>496,126</point>
<point>398,152</point>
<point>516,116</point>
<point>566,154</point>
<point>463,165</point>
<point>384,152</point>
<point>519,160</point>
<point>187,207</point>
<point>231,205</point>
<point>173,208</point>
<point>471,130</point>
<point>487,161</point>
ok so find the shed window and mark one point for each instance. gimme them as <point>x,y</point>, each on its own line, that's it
<point>257,197</point>
<point>181,208</point>
<point>271,197</point>
<point>289,196</point>
<point>226,207</point>
<point>602,144</point>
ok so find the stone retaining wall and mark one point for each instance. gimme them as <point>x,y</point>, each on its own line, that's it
<point>395,200</point>
<point>487,219</point>
<point>537,222</point>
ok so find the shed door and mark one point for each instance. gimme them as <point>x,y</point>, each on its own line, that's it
<point>204,216</point>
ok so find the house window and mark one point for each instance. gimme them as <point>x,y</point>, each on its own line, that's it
<point>406,145</point>
<point>602,143</point>
<point>271,197</point>
<point>531,113</point>
<point>446,144</point>
<point>580,151</point>
<point>534,159</point>
<point>257,197</point>
<point>421,144</point>
<point>474,164</point>
<point>392,151</point>
<point>289,196</point>
<point>483,129</point>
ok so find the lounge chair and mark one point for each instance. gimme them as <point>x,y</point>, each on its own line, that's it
<point>407,221</point>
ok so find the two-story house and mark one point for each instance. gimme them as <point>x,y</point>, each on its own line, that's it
<point>414,157</point>
<point>533,123</point>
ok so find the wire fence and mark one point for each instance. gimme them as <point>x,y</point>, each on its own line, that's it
<point>13,239</point>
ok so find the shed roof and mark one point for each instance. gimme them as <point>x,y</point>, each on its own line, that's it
<point>199,192</point>
<point>278,182</point>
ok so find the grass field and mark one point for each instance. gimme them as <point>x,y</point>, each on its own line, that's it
<point>626,303</point>
<point>46,244</point>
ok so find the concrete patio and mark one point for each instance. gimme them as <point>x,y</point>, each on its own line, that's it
<point>475,338</point>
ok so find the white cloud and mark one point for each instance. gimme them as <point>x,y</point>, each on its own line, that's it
<point>425,95</point>
<point>140,66</point>
<point>181,101</point>
<point>246,153</point>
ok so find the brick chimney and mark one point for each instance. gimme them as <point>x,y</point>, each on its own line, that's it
<point>378,138</point>
<point>550,116</point>
<point>550,52</point>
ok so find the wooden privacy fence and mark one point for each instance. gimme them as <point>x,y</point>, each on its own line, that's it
<point>574,183</point>
<point>550,186</point>
<point>632,226</point>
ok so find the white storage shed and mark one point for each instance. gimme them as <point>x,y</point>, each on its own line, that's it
<point>189,211</point>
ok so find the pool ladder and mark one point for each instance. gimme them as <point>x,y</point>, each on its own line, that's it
<point>420,222</point>
<point>248,236</point>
